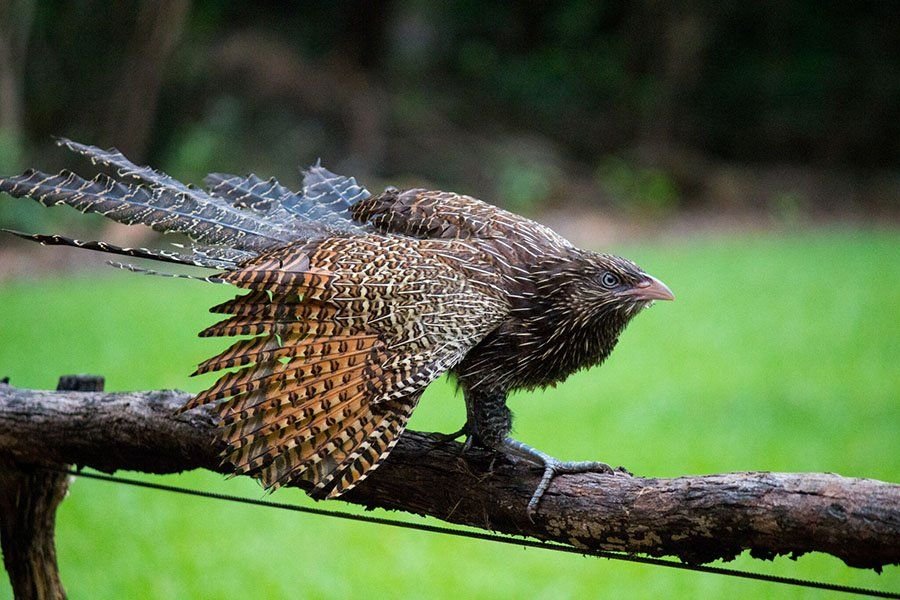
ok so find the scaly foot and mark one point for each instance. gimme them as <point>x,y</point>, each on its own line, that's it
<point>552,468</point>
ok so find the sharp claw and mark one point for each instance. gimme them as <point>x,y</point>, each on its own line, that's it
<point>449,437</point>
<point>549,473</point>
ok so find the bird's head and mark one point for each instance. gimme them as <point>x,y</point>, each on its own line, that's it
<point>614,283</point>
<point>600,292</point>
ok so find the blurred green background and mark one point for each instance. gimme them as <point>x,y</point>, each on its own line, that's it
<point>780,353</point>
<point>746,154</point>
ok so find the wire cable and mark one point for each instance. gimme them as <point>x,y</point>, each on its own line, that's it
<point>491,537</point>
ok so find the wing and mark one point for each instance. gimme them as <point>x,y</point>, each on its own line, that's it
<point>444,215</point>
<point>347,332</point>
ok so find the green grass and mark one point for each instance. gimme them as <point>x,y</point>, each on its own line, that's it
<point>780,353</point>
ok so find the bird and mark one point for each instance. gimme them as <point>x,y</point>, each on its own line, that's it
<point>351,303</point>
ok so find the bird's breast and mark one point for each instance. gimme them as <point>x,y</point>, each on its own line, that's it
<point>522,354</point>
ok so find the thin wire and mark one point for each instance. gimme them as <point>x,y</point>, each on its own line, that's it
<point>490,537</point>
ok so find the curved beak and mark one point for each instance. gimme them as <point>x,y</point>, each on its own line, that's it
<point>651,289</point>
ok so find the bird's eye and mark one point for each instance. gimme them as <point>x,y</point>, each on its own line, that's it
<point>609,280</point>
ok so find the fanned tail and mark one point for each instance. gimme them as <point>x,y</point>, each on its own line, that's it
<point>163,209</point>
<point>237,219</point>
<point>326,196</point>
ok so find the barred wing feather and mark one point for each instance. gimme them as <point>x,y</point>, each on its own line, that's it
<point>347,335</point>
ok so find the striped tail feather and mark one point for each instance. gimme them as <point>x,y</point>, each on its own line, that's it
<point>246,197</point>
<point>151,254</point>
<point>264,196</point>
<point>232,223</point>
<point>135,269</point>
<point>289,320</point>
<point>160,208</point>
<point>238,304</point>
<point>326,198</point>
<point>124,168</point>
<point>254,327</point>
<point>286,272</point>
<point>326,193</point>
<point>270,199</point>
<point>325,201</point>
<point>131,194</point>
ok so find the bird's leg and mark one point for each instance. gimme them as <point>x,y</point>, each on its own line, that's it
<point>492,421</point>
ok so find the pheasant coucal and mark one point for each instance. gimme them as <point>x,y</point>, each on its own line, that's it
<point>357,302</point>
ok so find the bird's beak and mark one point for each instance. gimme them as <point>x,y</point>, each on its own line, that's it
<point>651,289</point>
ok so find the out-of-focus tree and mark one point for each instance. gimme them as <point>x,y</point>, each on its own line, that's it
<point>647,104</point>
<point>15,26</point>
<point>131,109</point>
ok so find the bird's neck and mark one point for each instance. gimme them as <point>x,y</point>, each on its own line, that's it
<point>581,342</point>
<point>553,345</point>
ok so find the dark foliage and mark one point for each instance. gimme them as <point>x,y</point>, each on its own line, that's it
<point>501,99</point>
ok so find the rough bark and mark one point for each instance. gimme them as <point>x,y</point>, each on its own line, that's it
<point>28,500</point>
<point>697,519</point>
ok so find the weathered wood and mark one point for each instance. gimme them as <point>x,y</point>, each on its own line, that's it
<point>698,519</point>
<point>28,500</point>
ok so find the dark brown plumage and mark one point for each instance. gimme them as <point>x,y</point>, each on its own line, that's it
<point>356,302</point>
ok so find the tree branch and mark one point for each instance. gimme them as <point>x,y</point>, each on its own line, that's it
<point>697,519</point>
<point>28,501</point>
